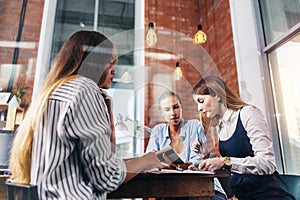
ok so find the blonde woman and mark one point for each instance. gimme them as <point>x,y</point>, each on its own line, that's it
<point>244,142</point>
<point>64,143</point>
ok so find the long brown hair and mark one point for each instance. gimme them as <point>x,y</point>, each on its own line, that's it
<point>66,67</point>
<point>215,86</point>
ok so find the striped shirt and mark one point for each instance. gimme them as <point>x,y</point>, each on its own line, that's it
<point>71,152</point>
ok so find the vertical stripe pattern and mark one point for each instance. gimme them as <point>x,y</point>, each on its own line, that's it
<point>71,154</point>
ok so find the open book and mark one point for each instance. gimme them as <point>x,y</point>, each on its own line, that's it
<point>171,154</point>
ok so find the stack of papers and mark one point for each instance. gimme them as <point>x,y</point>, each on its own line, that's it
<point>170,171</point>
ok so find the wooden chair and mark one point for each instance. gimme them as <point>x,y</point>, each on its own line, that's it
<point>21,192</point>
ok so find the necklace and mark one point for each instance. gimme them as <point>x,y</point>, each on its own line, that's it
<point>174,133</point>
<point>177,143</point>
<point>175,139</point>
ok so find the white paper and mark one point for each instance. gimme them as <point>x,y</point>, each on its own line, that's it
<point>13,102</point>
<point>4,97</point>
<point>172,171</point>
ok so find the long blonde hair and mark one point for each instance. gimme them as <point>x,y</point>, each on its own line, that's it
<point>65,68</point>
<point>215,86</point>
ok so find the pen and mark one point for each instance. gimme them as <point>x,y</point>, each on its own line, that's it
<point>199,141</point>
<point>171,166</point>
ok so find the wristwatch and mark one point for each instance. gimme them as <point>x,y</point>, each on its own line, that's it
<point>227,162</point>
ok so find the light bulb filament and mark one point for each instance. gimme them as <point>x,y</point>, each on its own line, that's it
<point>126,77</point>
<point>151,37</point>
<point>177,75</point>
<point>200,36</point>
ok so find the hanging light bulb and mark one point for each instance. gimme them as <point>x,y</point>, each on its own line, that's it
<point>126,77</point>
<point>151,37</point>
<point>177,73</point>
<point>200,36</point>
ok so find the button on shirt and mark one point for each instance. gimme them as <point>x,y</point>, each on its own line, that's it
<point>255,125</point>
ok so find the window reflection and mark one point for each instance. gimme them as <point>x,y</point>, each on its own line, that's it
<point>284,64</point>
<point>278,17</point>
<point>110,17</point>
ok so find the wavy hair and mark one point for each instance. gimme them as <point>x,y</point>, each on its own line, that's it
<point>64,68</point>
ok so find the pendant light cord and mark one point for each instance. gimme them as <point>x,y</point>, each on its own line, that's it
<point>199,12</point>
<point>16,50</point>
<point>150,10</point>
<point>176,11</point>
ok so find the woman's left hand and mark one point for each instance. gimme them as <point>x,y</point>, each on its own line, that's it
<point>211,164</point>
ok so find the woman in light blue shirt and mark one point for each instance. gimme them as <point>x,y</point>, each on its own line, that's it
<point>160,139</point>
<point>179,134</point>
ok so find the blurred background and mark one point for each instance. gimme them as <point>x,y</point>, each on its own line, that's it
<point>251,44</point>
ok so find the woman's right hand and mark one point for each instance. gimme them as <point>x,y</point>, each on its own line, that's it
<point>151,161</point>
<point>136,165</point>
<point>200,148</point>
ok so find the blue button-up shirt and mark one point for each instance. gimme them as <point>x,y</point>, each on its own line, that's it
<point>189,131</point>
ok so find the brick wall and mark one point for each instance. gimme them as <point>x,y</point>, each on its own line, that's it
<point>180,18</point>
<point>215,57</point>
<point>9,27</point>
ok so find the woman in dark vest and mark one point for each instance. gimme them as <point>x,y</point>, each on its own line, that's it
<point>244,142</point>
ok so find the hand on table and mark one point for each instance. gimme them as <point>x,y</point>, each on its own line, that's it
<point>211,164</point>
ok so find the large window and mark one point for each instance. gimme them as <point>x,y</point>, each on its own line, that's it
<point>279,16</point>
<point>116,20</point>
<point>284,65</point>
<point>109,17</point>
<point>281,27</point>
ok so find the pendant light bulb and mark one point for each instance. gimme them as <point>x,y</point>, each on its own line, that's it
<point>126,77</point>
<point>200,36</point>
<point>151,37</point>
<point>177,73</point>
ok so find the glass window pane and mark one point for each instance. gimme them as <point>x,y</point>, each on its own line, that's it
<point>71,16</point>
<point>279,16</point>
<point>285,72</point>
<point>113,17</point>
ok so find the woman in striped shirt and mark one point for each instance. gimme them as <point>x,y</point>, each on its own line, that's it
<point>64,143</point>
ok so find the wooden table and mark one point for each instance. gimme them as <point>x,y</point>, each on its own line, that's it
<point>151,185</point>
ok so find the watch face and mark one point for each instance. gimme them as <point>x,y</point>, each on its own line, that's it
<point>227,161</point>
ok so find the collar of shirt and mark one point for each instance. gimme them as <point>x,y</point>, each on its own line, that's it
<point>227,115</point>
<point>182,131</point>
<point>228,124</point>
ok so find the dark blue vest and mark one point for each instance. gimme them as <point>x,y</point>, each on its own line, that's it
<point>251,186</point>
<point>238,145</point>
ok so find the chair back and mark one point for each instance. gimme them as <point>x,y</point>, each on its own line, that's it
<point>293,183</point>
<point>225,183</point>
<point>21,191</point>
